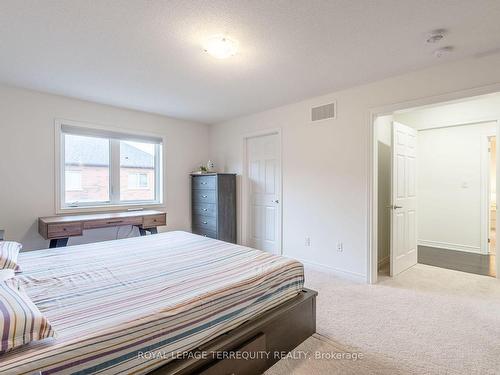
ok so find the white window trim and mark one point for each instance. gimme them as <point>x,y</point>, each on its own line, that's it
<point>60,208</point>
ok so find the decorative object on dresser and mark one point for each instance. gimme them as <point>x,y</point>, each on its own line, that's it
<point>210,166</point>
<point>213,202</point>
<point>58,229</point>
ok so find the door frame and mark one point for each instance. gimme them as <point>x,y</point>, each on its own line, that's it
<point>485,190</point>
<point>372,181</point>
<point>245,191</point>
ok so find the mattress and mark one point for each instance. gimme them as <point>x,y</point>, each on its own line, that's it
<point>129,306</point>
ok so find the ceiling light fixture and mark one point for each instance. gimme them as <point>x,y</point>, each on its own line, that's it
<point>220,47</point>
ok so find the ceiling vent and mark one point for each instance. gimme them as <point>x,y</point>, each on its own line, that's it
<point>324,112</point>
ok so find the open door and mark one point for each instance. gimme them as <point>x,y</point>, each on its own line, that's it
<point>404,198</point>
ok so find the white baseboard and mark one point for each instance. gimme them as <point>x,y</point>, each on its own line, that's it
<point>353,276</point>
<point>451,246</point>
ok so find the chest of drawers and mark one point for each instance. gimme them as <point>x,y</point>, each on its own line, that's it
<point>213,202</point>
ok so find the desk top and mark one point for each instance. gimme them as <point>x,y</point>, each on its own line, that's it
<point>99,216</point>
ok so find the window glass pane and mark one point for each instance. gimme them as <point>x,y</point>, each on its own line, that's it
<point>86,167</point>
<point>73,180</point>
<point>137,171</point>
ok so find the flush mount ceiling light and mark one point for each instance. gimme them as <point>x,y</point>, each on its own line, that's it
<point>220,46</point>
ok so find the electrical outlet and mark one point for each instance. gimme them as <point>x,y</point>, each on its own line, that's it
<point>307,241</point>
<point>340,247</point>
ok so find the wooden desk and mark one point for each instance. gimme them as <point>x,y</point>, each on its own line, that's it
<point>58,229</point>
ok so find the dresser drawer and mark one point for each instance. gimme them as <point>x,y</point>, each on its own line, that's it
<point>205,232</point>
<point>204,209</point>
<point>204,182</point>
<point>206,222</point>
<point>154,221</point>
<point>64,230</point>
<point>204,196</point>
<point>102,223</point>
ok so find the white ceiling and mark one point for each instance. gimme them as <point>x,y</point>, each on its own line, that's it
<point>146,55</point>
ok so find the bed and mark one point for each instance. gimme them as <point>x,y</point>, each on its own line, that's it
<point>137,305</point>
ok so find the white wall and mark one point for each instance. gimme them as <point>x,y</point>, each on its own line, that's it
<point>451,192</point>
<point>486,107</point>
<point>27,159</point>
<point>383,130</point>
<point>325,167</point>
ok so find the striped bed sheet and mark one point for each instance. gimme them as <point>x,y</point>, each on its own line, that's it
<point>129,306</point>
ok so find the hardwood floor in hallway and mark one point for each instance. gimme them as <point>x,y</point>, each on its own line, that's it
<point>479,264</point>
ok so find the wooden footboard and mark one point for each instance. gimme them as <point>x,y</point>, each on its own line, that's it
<point>254,346</point>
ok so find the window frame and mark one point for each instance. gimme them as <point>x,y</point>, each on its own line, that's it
<point>114,202</point>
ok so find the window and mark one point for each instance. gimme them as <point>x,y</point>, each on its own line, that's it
<point>105,168</point>
<point>73,180</point>
<point>137,171</point>
<point>86,167</point>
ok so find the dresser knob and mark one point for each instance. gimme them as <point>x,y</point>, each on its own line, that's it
<point>205,209</point>
<point>205,222</point>
<point>204,196</point>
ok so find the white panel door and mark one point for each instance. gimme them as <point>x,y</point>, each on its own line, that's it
<point>404,198</point>
<point>264,205</point>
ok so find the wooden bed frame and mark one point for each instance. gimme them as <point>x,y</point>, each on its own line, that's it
<point>263,340</point>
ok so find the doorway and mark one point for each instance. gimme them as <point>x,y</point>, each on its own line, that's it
<point>453,226</point>
<point>261,196</point>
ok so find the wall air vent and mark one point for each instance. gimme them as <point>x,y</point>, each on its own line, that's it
<point>324,112</point>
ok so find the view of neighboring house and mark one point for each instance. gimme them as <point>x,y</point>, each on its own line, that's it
<point>87,170</point>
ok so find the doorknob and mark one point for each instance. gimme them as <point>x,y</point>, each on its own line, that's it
<point>276,201</point>
<point>394,207</point>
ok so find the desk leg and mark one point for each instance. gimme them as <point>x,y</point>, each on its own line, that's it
<point>60,242</point>
<point>144,232</point>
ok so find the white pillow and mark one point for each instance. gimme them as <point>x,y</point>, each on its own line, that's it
<point>22,321</point>
<point>9,250</point>
<point>6,274</point>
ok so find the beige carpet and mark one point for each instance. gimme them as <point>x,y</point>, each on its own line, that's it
<point>319,355</point>
<point>427,320</point>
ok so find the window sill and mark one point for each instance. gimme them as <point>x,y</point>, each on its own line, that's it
<point>108,208</point>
